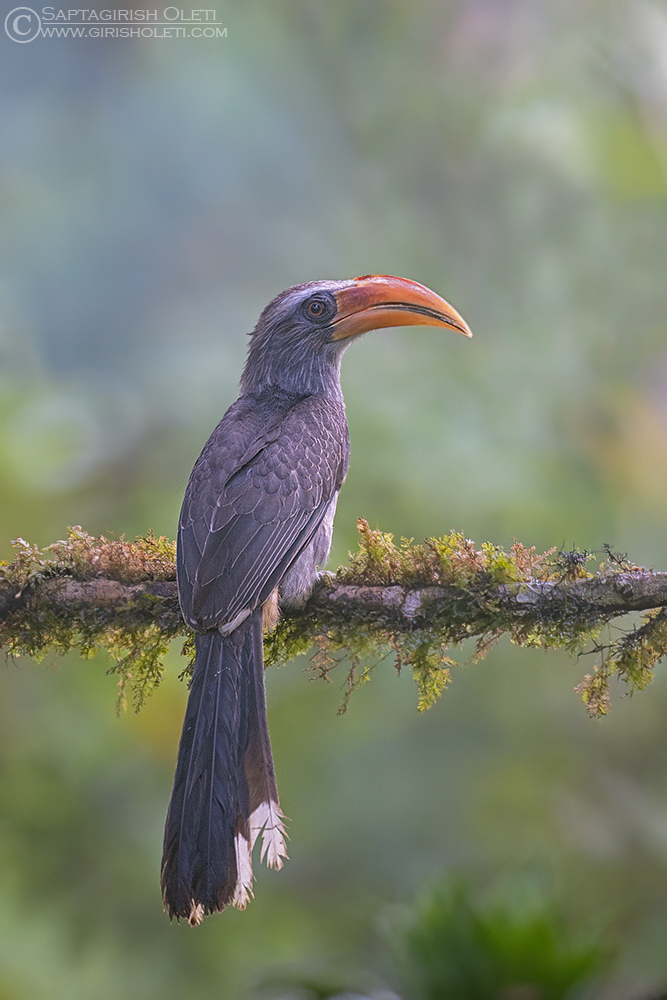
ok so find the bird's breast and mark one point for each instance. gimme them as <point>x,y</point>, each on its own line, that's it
<point>298,582</point>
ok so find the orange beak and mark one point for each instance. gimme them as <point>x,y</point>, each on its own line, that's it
<point>375,301</point>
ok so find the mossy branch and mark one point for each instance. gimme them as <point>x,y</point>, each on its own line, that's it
<point>416,600</point>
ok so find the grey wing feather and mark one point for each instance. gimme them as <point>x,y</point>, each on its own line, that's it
<point>253,505</point>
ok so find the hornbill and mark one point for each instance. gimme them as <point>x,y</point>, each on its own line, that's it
<point>255,525</point>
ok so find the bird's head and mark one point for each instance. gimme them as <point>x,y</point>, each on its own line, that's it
<point>301,335</point>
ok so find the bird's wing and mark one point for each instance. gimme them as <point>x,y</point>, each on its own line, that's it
<point>255,499</point>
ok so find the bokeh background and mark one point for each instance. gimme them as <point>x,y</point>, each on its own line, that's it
<point>156,193</point>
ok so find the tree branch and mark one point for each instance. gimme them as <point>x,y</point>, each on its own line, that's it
<point>395,607</point>
<point>417,600</point>
<point>404,608</point>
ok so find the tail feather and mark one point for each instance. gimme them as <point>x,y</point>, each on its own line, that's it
<point>224,788</point>
<point>266,816</point>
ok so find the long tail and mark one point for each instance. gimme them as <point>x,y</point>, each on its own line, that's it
<point>224,790</point>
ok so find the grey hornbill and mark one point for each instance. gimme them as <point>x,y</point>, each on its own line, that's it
<point>255,525</point>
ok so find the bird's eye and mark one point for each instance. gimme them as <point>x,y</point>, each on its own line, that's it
<point>315,308</point>
<point>319,308</point>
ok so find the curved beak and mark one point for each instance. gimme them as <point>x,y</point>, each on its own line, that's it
<point>375,301</point>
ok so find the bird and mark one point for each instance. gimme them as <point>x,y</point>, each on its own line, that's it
<point>254,534</point>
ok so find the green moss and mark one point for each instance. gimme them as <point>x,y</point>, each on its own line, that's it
<point>430,666</point>
<point>290,638</point>
<point>136,636</point>
<point>632,659</point>
<point>502,568</point>
<point>136,630</point>
<point>451,560</point>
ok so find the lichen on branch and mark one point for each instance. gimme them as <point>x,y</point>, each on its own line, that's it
<point>412,600</point>
<point>94,594</point>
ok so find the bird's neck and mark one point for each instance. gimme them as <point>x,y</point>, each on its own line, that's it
<point>310,374</point>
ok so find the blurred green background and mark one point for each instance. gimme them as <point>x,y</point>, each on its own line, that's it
<point>156,193</point>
